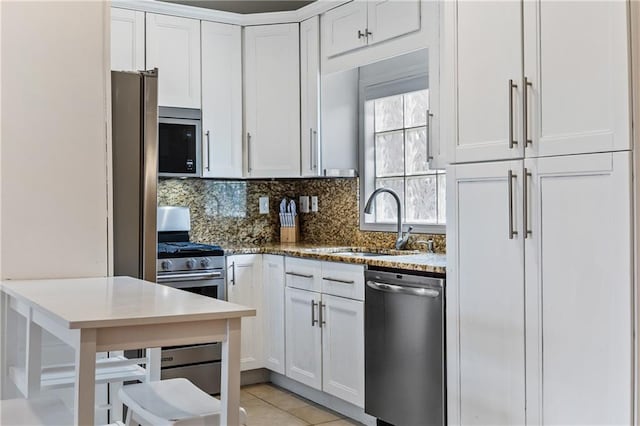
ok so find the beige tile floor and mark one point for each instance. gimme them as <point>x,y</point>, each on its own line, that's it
<point>269,405</point>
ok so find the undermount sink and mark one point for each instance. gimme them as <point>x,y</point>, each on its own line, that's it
<point>359,253</point>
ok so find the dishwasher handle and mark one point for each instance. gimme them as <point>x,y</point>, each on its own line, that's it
<point>414,291</point>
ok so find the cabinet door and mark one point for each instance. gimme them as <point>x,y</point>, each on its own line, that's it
<point>310,96</point>
<point>343,348</point>
<point>344,28</point>
<point>173,46</point>
<point>579,97</point>
<point>272,120</point>
<point>244,278</point>
<point>487,40</point>
<point>127,40</point>
<point>485,295</point>
<point>273,312</point>
<point>579,290</point>
<point>303,337</point>
<point>221,100</point>
<point>387,19</point>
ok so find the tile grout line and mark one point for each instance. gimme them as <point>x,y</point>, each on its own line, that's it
<point>309,403</point>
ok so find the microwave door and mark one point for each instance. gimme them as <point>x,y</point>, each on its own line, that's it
<point>179,147</point>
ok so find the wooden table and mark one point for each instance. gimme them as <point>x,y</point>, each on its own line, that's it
<point>118,313</point>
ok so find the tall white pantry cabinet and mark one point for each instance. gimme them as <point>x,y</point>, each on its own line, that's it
<point>540,299</point>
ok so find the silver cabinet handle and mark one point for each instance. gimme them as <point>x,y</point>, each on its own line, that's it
<point>295,274</point>
<point>249,152</point>
<point>208,151</point>
<point>429,156</point>
<point>512,141</point>
<point>310,148</point>
<point>321,308</point>
<point>233,273</point>
<point>510,177</point>
<point>525,110</point>
<point>361,34</point>
<point>525,193</point>
<point>336,280</point>
<point>188,277</point>
<point>367,32</point>
<point>315,150</point>
<point>314,321</point>
<point>414,291</point>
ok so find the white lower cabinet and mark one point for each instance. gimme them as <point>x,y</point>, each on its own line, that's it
<point>244,287</point>
<point>325,333</point>
<point>343,348</point>
<point>303,337</point>
<point>539,290</point>
<point>273,312</point>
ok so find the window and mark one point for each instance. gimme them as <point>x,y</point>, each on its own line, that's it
<point>395,157</point>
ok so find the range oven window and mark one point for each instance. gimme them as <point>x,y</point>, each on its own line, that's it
<point>209,291</point>
<point>178,148</point>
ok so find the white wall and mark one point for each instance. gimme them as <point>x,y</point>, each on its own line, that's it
<point>54,78</point>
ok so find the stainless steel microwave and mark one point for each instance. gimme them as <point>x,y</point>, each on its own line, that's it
<point>179,143</point>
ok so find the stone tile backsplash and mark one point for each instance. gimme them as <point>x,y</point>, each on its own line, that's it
<point>226,212</point>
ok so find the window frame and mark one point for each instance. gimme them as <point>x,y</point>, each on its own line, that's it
<point>373,87</point>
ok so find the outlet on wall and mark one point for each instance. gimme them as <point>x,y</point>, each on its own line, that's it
<point>314,203</point>
<point>264,205</point>
<point>304,204</point>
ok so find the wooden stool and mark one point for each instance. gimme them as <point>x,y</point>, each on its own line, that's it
<point>171,402</point>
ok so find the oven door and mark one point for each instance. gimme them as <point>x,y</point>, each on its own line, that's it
<point>179,147</point>
<point>206,283</point>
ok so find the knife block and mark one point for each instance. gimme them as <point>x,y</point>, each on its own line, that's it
<point>290,234</point>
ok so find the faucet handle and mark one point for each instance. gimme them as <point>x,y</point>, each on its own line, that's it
<point>428,243</point>
<point>409,229</point>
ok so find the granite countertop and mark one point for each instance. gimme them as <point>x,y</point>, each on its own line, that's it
<point>413,260</point>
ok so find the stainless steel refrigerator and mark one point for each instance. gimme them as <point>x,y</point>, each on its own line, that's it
<point>134,97</point>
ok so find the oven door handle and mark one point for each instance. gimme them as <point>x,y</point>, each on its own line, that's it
<point>189,277</point>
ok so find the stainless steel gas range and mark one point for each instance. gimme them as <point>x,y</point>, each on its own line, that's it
<point>196,268</point>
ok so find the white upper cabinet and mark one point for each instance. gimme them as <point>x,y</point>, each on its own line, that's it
<point>127,40</point>
<point>273,312</point>
<point>486,40</point>
<point>579,290</point>
<point>387,19</point>
<point>572,96</point>
<point>579,97</point>
<point>310,96</point>
<point>343,28</point>
<point>244,287</point>
<point>221,100</point>
<point>361,23</point>
<point>173,46</point>
<point>272,100</point>
<point>485,295</point>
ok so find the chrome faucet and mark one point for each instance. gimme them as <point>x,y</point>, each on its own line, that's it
<point>401,241</point>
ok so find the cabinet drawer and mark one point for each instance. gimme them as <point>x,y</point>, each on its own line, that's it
<point>343,279</point>
<point>303,274</point>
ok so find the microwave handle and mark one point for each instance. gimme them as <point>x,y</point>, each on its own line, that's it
<point>207,134</point>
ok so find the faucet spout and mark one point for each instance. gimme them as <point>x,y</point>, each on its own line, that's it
<point>401,241</point>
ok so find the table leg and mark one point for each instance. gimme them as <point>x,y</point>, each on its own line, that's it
<point>34,357</point>
<point>230,386</point>
<point>85,388</point>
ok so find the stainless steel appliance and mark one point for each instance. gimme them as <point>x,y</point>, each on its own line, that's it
<point>179,135</point>
<point>404,348</point>
<point>197,268</point>
<point>134,97</point>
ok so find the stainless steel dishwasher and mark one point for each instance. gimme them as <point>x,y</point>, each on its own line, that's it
<point>404,348</point>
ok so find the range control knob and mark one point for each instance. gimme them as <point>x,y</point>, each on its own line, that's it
<point>166,265</point>
<point>191,263</point>
<point>205,262</point>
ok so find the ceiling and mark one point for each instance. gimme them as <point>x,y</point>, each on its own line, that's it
<point>245,6</point>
